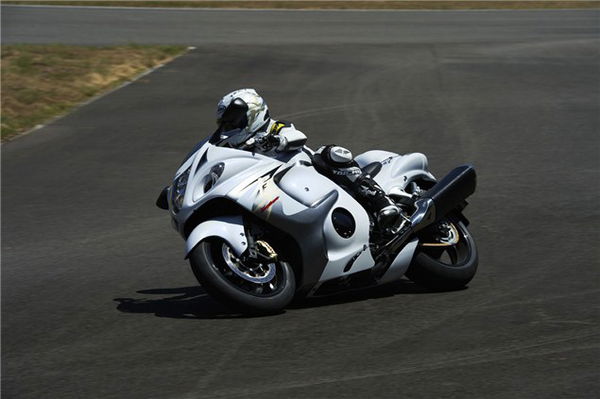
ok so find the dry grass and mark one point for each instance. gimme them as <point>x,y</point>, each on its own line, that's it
<point>338,4</point>
<point>42,81</point>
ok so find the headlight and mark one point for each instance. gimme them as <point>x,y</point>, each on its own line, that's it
<point>214,174</point>
<point>178,191</point>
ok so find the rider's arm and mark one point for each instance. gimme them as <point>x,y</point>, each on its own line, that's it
<point>290,139</point>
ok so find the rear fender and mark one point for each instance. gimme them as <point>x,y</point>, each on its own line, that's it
<point>229,228</point>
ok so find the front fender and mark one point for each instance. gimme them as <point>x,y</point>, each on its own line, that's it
<point>229,228</point>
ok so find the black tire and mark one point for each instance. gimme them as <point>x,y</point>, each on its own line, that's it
<point>429,270</point>
<point>211,271</point>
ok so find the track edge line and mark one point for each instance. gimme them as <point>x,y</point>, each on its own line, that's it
<point>94,98</point>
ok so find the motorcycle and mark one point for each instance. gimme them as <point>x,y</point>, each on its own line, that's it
<point>260,231</point>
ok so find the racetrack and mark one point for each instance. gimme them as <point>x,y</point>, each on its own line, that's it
<point>97,300</point>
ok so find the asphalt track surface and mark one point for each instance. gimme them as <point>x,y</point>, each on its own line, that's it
<point>97,301</point>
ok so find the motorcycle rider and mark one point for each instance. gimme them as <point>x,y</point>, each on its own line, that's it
<point>244,122</point>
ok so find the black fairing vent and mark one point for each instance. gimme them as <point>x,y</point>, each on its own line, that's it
<point>343,222</point>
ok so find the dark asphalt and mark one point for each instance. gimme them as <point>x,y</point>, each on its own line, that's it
<point>77,25</point>
<point>97,301</point>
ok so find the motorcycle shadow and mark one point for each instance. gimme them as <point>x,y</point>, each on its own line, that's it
<point>194,303</point>
<point>402,287</point>
<point>179,303</point>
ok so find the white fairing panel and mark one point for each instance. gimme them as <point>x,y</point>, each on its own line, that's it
<point>341,251</point>
<point>307,186</point>
<point>401,263</point>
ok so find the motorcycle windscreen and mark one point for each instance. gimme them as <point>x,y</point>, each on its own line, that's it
<point>232,138</point>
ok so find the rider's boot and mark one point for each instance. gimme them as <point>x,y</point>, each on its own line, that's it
<point>388,217</point>
<point>388,213</point>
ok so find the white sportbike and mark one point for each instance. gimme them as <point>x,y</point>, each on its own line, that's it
<point>260,231</point>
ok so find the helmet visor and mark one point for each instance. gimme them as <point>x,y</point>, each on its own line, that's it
<point>234,116</point>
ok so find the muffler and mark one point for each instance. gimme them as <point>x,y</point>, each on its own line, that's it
<point>448,194</point>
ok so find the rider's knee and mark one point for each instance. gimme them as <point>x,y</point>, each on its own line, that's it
<point>336,156</point>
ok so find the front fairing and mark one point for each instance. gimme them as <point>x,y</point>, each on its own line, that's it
<point>239,166</point>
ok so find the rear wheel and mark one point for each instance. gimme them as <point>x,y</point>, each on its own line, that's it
<point>447,257</point>
<point>240,282</point>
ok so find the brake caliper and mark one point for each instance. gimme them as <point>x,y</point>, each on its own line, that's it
<point>265,251</point>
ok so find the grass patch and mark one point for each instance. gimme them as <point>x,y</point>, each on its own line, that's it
<point>337,4</point>
<point>43,81</point>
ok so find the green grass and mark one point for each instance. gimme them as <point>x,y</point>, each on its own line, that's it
<point>40,82</point>
<point>338,4</point>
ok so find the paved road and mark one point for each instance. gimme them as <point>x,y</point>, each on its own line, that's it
<point>76,25</point>
<point>98,302</point>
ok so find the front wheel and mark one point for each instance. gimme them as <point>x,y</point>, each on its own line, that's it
<point>440,265</point>
<point>240,283</point>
